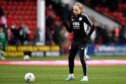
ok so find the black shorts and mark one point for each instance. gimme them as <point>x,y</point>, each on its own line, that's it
<point>77,45</point>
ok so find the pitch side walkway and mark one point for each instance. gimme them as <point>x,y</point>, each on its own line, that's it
<point>65,63</point>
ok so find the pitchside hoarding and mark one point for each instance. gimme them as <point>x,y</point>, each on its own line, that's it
<point>35,50</point>
<point>55,50</point>
<point>110,50</point>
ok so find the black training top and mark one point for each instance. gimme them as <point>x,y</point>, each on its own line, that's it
<point>78,28</point>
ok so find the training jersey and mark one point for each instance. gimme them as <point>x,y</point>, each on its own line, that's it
<point>77,26</point>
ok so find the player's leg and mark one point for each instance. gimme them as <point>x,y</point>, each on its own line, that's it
<point>85,53</point>
<point>71,60</point>
<point>72,52</point>
<point>3,41</point>
<point>83,62</point>
<point>2,50</point>
<point>2,54</point>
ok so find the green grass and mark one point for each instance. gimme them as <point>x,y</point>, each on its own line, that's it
<point>57,74</point>
<point>65,58</point>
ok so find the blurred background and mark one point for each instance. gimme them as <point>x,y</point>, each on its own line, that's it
<point>36,26</point>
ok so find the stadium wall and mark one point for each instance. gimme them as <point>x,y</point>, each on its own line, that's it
<point>114,50</point>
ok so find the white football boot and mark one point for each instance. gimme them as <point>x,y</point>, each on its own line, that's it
<point>70,77</point>
<point>85,78</point>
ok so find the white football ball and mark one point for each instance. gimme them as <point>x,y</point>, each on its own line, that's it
<point>26,57</point>
<point>29,77</point>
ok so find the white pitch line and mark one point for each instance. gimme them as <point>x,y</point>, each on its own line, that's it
<point>64,62</point>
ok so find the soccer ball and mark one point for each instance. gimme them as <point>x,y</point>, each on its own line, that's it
<point>29,77</point>
<point>26,57</point>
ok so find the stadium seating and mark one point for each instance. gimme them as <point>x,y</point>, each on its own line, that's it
<point>23,11</point>
<point>122,7</point>
<point>116,15</point>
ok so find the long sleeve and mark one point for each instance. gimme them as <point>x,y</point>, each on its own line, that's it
<point>91,31</point>
<point>69,28</point>
<point>87,20</point>
<point>90,23</point>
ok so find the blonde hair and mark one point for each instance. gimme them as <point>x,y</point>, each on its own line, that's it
<point>80,6</point>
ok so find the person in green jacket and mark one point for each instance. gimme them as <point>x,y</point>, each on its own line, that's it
<point>2,43</point>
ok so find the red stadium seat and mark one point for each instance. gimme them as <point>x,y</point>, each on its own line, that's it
<point>25,17</point>
<point>24,11</point>
<point>117,15</point>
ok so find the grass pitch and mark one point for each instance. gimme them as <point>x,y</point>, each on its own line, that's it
<point>57,74</point>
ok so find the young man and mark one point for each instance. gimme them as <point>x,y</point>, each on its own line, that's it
<point>80,39</point>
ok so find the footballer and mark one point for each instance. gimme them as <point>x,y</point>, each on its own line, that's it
<point>80,39</point>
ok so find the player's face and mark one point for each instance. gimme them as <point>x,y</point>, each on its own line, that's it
<point>76,10</point>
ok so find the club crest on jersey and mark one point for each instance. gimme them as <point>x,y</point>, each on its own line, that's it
<point>80,18</point>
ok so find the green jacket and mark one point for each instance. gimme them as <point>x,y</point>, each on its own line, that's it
<point>2,40</point>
